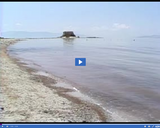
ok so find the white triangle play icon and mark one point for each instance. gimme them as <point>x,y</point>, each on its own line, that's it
<point>80,61</point>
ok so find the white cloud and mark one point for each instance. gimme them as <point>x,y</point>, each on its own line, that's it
<point>117,26</point>
<point>18,24</point>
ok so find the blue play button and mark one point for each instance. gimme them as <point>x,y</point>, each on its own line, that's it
<point>80,61</point>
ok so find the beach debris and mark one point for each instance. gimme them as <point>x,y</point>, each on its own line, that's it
<point>1,108</point>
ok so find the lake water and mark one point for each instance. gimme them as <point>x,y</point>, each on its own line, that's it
<point>122,75</point>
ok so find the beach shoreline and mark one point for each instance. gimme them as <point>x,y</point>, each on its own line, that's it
<point>29,97</point>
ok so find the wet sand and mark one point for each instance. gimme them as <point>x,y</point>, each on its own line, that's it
<point>30,97</point>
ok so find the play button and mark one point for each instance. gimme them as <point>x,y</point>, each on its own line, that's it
<point>80,61</point>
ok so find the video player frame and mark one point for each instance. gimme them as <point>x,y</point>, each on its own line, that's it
<point>89,64</point>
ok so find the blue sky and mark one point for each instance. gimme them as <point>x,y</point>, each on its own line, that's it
<point>90,18</point>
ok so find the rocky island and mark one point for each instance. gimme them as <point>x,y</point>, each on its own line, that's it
<point>68,34</point>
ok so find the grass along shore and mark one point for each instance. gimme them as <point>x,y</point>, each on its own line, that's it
<point>26,97</point>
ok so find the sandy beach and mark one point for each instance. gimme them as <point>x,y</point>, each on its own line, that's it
<point>29,97</point>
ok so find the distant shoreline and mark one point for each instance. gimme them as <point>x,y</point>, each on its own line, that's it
<point>51,38</point>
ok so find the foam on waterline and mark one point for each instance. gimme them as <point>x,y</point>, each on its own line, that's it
<point>75,89</point>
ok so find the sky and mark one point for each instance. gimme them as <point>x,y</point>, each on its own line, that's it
<point>113,19</point>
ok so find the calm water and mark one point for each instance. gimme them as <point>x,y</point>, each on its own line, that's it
<point>122,75</point>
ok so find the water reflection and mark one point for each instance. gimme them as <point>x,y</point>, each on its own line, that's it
<point>68,44</point>
<point>68,41</point>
